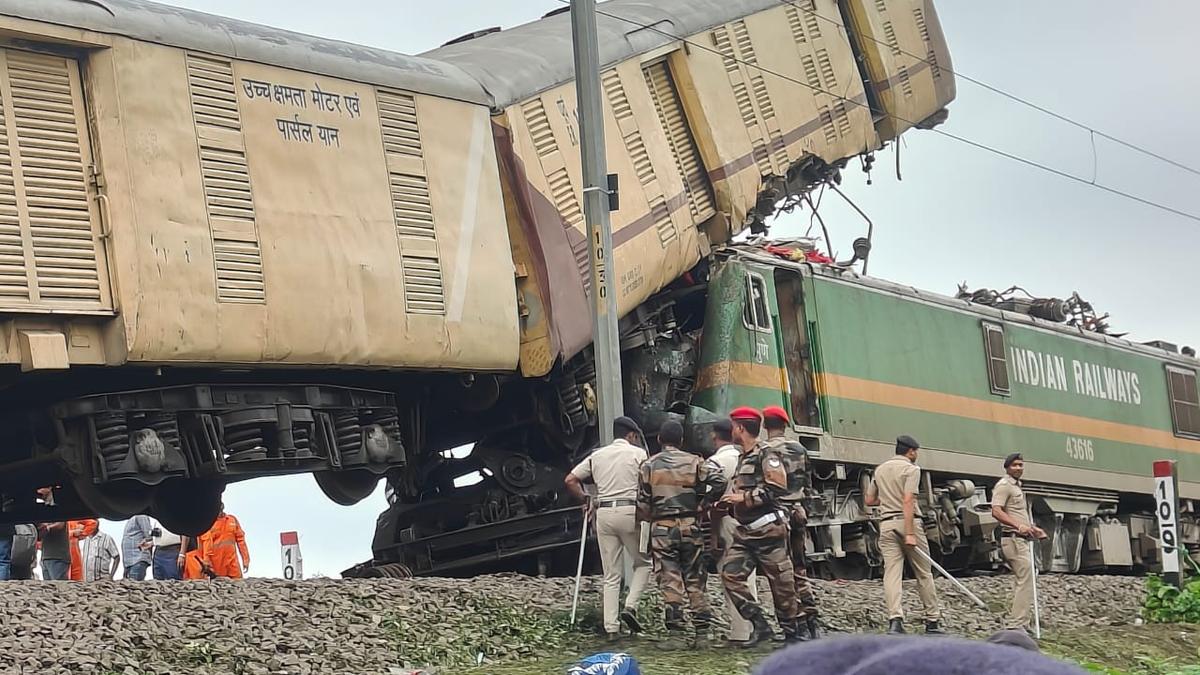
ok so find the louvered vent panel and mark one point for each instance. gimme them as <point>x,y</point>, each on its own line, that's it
<point>683,145</point>
<point>411,206</point>
<point>14,280</point>
<point>56,198</point>
<point>569,209</point>
<point>662,221</point>
<point>745,104</point>
<point>226,184</point>
<point>813,22</point>
<point>214,92</point>
<point>930,55</point>
<point>562,193</point>
<point>424,291</point>
<point>827,124</point>
<point>762,157</point>
<point>725,47</point>
<point>225,174</point>
<point>398,119</point>
<point>905,82</point>
<point>881,6</point>
<point>842,118</point>
<point>762,96</point>
<point>539,127</point>
<point>889,35</point>
<point>744,46</point>
<point>779,150</point>
<point>236,251</point>
<point>811,73</point>
<point>616,95</point>
<point>564,198</point>
<point>796,24</point>
<point>828,75</point>
<point>641,158</point>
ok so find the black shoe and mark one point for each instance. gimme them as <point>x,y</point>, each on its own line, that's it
<point>895,627</point>
<point>630,620</point>
<point>814,627</point>
<point>612,638</point>
<point>762,632</point>
<point>933,628</point>
<point>798,633</point>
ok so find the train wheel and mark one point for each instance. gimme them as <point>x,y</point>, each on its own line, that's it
<point>187,507</point>
<point>347,487</point>
<point>112,501</point>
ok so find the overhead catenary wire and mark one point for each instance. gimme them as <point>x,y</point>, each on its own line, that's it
<point>1009,95</point>
<point>961,139</point>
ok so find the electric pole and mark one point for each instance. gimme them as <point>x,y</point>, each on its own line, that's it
<point>596,193</point>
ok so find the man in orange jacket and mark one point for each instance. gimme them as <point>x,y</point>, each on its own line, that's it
<point>221,545</point>
<point>76,530</point>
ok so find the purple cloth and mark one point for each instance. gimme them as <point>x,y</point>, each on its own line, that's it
<point>910,655</point>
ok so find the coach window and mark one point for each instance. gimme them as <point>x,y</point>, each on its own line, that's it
<point>1185,403</point>
<point>757,316</point>
<point>997,362</point>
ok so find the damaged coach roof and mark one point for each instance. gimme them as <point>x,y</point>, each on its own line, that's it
<point>520,62</point>
<point>187,29</point>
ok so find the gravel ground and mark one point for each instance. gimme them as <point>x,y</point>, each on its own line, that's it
<point>380,626</point>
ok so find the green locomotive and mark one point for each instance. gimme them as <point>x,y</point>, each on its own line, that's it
<point>859,361</point>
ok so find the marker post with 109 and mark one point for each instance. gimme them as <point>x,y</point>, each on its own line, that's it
<point>289,551</point>
<point>1166,508</point>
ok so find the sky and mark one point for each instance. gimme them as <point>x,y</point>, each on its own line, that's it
<point>959,214</point>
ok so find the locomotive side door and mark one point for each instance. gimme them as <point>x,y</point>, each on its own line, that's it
<point>796,348</point>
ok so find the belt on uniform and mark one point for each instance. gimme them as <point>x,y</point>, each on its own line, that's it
<point>675,516</point>
<point>761,521</point>
<point>1015,535</point>
<point>606,503</point>
<point>898,516</point>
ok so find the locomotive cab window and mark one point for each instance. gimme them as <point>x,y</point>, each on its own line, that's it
<point>997,361</point>
<point>1185,403</point>
<point>757,316</point>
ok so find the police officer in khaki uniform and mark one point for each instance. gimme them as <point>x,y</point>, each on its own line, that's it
<point>1016,531</point>
<point>894,490</point>
<point>795,458</point>
<point>761,537</point>
<point>614,470</point>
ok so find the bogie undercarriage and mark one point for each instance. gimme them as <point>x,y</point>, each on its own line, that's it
<point>170,451</point>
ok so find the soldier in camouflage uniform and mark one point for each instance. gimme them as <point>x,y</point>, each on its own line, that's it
<point>673,487</point>
<point>761,537</point>
<point>795,458</point>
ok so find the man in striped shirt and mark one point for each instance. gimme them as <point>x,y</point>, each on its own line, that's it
<point>100,557</point>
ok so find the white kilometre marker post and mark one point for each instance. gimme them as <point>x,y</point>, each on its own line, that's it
<point>1166,508</point>
<point>289,553</point>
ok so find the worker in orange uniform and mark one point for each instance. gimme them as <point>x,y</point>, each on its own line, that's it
<point>191,558</point>
<point>76,530</point>
<point>218,546</point>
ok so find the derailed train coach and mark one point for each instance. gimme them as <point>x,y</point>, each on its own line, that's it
<point>216,239</point>
<point>230,251</point>
<point>715,113</point>
<point>858,361</point>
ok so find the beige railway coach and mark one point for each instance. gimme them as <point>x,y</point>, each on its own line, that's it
<point>179,188</point>
<point>713,106</point>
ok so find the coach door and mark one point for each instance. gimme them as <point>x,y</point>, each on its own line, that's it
<point>51,253</point>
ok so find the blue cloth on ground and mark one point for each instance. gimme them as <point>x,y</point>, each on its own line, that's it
<point>606,663</point>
